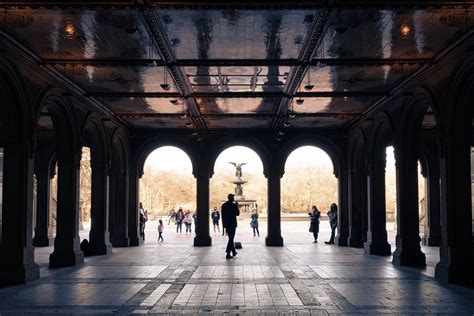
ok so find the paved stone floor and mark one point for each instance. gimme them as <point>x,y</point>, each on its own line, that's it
<point>176,278</point>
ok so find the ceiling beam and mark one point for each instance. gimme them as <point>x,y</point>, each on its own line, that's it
<point>238,62</point>
<point>331,94</point>
<point>312,40</point>
<point>241,115</point>
<point>227,4</point>
<point>157,33</point>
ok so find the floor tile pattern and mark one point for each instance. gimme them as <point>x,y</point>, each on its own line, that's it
<point>176,278</point>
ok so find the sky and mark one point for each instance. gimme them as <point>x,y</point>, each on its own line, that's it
<point>173,158</point>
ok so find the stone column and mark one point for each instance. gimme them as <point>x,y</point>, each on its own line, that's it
<point>66,244</point>
<point>432,235</point>
<point>134,182</point>
<point>357,188</point>
<point>408,251</point>
<point>17,263</point>
<point>377,233</point>
<point>43,195</point>
<point>99,233</point>
<point>456,253</point>
<point>274,237</point>
<point>343,211</point>
<point>202,238</point>
<point>119,207</point>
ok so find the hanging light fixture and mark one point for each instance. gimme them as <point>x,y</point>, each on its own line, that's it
<point>165,86</point>
<point>309,86</point>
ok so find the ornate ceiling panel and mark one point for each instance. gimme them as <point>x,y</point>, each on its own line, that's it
<point>392,33</point>
<point>237,78</point>
<point>120,79</point>
<point>236,34</point>
<point>236,67</point>
<point>81,33</point>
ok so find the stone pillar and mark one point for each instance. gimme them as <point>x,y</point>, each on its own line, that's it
<point>66,244</point>
<point>274,237</point>
<point>134,182</point>
<point>202,238</point>
<point>408,251</point>
<point>377,243</point>
<point>43,195</point>
<point>119,208</point>
<point>99,238</point>
<point>432,235</point>
<point>343,210</point>
<point>456,253</point>
<point>357,188</point>
<point>17,263</point>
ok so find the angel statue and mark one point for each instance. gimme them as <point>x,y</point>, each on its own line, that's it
<point>238,168</point>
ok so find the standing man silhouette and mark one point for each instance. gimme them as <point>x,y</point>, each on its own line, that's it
<point>229,213</point>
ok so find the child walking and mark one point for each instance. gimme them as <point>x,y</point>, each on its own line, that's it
<point>160,230</point>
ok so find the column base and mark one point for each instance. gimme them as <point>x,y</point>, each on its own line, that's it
<point>202,241</point>
<point>409,258</point>
<point>98,250</point>
<point>120,242</point>
<point>355,242</point>
<point>18,274</point>
<point>378,248</point>
<point>61,259</point>
<point>341,241</point>
<point>43,241</point>
<point>431,241</point>
<point>274,241</point>
<point>461,275</point>
<point>134,241</point>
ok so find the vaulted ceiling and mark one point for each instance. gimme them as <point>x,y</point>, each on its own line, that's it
<point>249,66</point>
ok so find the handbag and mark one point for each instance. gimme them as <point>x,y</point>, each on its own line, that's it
<point>311,228</point>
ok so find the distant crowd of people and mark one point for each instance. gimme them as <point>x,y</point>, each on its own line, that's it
<point>228,215</point>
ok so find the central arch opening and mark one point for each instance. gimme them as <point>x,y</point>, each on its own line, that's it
<point>308,181</point>
<point>238,170</point>
<point>168,185</point>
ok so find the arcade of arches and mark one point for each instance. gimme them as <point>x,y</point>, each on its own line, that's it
<point>126,77</point>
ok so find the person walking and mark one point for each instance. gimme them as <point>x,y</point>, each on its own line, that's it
<point>172,216</point>
<point>254,222</point>
<point>160,230</point>
<point>195,220</point>
<point>215,219</point>
<point>187,221</point>
<point>179,220</point>
<point>229,212</point>
<point>142,220</point>
<point>314,225</point>
<point>332,214</point>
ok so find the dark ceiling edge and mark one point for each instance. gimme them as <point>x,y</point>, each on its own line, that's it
<point>228,4</point>
<point>396,91</point>
<point>62,80</point>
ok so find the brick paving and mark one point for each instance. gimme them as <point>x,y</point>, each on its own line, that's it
<point>176,278</point>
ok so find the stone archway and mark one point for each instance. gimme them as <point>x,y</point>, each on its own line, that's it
<point>16,142</point>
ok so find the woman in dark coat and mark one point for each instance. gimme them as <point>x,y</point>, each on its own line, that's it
<point>314,226</point>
